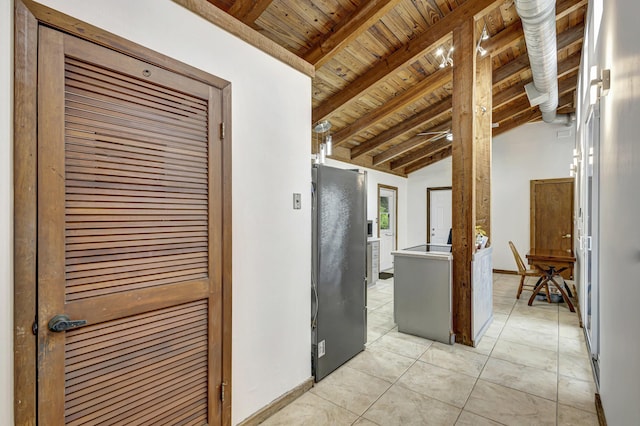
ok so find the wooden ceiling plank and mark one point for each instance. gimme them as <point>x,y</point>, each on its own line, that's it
<point>248,11</point>
<point>512,35</point>
<point>516,106</point>
<point>424,87</point>
<point>400,57</point>
<point>348,30</point>
<point>426,151</point>
<point>564,40</point>
<point>566,67</point>
<point>565,7</point>
<point>504,40</point>
<point>517,120</point>
<point>342,154</point>
<point>530,114</point>
<point>429,114</point>
<point>408,145</point>
<point>230,24</point>
<point>570,36</point>
<point>445,153</point>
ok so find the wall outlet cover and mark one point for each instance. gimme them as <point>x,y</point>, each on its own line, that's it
<point>321,349</point>
<point>297,201</point>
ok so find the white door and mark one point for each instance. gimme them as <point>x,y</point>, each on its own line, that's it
<point>439,215</point>
<point>387,224</point>
<point>589,240</point>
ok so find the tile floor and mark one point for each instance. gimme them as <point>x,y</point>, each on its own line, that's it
<point>530,368</point>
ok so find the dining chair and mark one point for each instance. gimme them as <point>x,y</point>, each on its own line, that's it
<point>524,273</point>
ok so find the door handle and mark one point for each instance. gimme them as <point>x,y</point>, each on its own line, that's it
<point>63,323</point>
<point>566,236</point>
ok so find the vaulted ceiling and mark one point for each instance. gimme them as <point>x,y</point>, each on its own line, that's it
<point>378,78</point>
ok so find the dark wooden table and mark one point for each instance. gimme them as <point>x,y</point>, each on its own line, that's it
<point>550,263</point>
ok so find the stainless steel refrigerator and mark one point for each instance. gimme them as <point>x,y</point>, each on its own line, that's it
<point>338,282</point>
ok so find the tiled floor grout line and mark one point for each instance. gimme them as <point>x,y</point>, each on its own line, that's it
<point>393,383</point>
<point>510,313</point>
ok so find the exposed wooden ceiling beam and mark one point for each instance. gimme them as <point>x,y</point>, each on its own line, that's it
<point>248,11</point>
<point>514,107</point>
<point>565,39</point>
<point>430,149</point>
<point>504,40</point>
<point>570,36</point>
<point>230,24</point>
<point>565,67</point>
<point>565,7</point>
<point>409,144</point>
<point>342,154</point>
<point>529,114</point>
<point>432,113</point>
<point>348,30</point>
<point>420,90</point>
<point>408,53</point>
<point>445,153</point>
<point>510,36</point>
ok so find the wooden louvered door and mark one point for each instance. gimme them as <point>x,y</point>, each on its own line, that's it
<point>129,239</point>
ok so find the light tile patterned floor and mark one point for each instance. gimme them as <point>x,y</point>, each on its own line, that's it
<point>531,368</point>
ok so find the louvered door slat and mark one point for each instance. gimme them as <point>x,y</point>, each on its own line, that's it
<point>131,95</point>
<point>129,190</point>
<point>125,144</point>
<point>103,95</point>
<point>84,262</point>
<point>109,394</point>
<point>79,97</point>
<point>136,86</point>
<point>94,268</point>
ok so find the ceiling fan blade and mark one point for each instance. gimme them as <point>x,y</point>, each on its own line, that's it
<point>441,132</point>
<point>437,138</point>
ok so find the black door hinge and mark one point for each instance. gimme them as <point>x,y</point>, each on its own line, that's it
<point>223,385</point>
<point>34,327</point>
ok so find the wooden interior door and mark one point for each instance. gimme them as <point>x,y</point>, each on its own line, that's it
<point>552,215</point>
<point>129,240</point>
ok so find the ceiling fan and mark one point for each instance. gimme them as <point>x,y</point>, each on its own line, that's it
<point>438,135</point>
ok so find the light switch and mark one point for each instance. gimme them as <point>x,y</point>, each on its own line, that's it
<point>297,201</point>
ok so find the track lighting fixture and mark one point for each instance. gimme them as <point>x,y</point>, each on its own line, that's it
<point>325,146</point>
<point>484,36</point>
<point>445,59</point>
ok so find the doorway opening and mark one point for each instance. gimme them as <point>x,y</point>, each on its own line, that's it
<point>387,225</point>
<point>439,221</point>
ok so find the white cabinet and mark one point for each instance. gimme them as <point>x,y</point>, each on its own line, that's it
<point>482,292</point>
<point>373,261</point>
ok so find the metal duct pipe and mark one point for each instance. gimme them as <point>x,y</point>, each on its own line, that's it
<point>539,27</point>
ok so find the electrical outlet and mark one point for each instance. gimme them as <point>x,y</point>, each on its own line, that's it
<point>297,201</point>
<point>321,348</point>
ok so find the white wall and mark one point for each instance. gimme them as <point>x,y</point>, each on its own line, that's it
<point>532,151</point>
<point>6,209</point>
<point>619,276</point>
<point>271,123</point>
<point>434,176</point>
<point>374,178</point>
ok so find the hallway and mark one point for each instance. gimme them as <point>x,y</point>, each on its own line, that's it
<point>531,367</point>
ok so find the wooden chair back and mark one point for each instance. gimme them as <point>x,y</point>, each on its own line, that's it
<point>521,267</point>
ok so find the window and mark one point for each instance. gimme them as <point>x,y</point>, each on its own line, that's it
<point>384,213</point>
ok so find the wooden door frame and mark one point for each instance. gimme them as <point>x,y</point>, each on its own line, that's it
<point>532,216</point>
<point>437,188</point>
<point>28,17</point>
<point>395,189</point>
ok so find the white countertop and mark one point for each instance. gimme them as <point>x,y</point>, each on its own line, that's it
<point>439,255</point>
